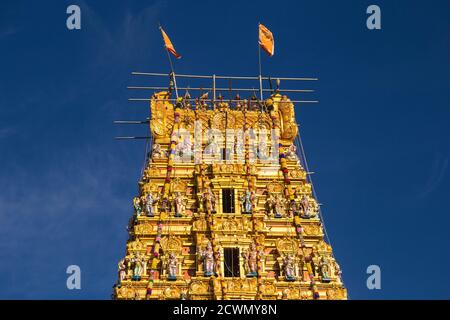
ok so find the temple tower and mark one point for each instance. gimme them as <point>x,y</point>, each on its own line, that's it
<point>225,208</point>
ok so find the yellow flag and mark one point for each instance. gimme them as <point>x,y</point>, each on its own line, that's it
<point>168,44</point>
<point>266,40</point>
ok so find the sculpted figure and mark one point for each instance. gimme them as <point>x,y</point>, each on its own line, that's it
<point>137,270</point>
<point>165,205</point>
<point>291,153</point>
<point>251,260</point>
<point>324,268</point>
<point>208,260</point>
<point>289,267</point>
<point>172,266</point>
<point>246,202</point>
<point>270,204</point>
<point>137,206</point>
<point>157,152</point>
<point>304,203</point>
<point>179,205</point>
<point>279,206</point>
<point>209,201</point>
<point>122,270</point>
<point>150,204</point>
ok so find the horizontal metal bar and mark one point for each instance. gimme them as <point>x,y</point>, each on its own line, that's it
<point>131,122</point>
<point>224,100</point>
<point>131,138</point>
<point>219,89</point>
<point>222,77</point>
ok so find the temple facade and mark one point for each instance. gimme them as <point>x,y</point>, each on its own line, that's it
<point>225,208</point>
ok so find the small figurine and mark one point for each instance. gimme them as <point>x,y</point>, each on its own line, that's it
<point>172,266</point>
<point>291,153</point>
<point>149,204</point>
<point>165,205</point>
<point>209,201</point>
<point>289,267</point>
<point>137,270</point>
<point>208,260</point>
<point>250,260</point>
<point>122,270</point>
<point>324,268</point>
<point>179,205</point>
<point>270,205</point>
<point>246,202</point>
<point>157,153</point>
<point>279,207</point>
<point>304,203</point>
<point>137,206</point>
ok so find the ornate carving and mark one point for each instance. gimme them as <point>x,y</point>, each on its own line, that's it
<point>172,244</point>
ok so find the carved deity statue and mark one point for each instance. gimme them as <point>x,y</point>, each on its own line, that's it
<point>165,205</point>
<point>157,152</point>
<point>179,205</point>
<point>246,202</point>
<point>279,206</point>
<point>270,204</point>
<point>172,266</point>
<point>137,205</point>
<point>293,208</point>
<point>291,153</point>
<point>150,202</point>
<point>209,201</point>
<point>251,260</point>
<point>138,267</point>
<point>122,270</point>
<point>324,268</point>
<point>289,267</point>
<point>304,203</point>
<point>207,256</point>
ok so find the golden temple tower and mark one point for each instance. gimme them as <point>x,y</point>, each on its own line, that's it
<point>225,208</point>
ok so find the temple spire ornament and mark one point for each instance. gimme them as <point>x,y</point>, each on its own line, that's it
<point>225,208</point>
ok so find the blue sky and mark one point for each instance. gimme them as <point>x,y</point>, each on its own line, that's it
<point>377,142</point>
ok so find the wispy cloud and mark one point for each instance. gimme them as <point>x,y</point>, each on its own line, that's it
<point>437,174</point>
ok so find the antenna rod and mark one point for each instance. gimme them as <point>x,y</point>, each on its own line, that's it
<point>221,77</point>
<point>218,89</point>
<point>130,122</point>
<point>132,138</point>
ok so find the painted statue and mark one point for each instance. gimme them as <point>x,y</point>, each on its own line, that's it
<point>209,201</point>
<point>246,202</point>
<point>122,270</point>
<point>179,205</point>
<point>172,266</point>
<point>289,267</point>
<point>279,206</point>
<point>270,204</point>
<point>304,203</point>
<point>157,152</point>
<point>150,204</point>
<point>291,153</point>
<point>165,205</point>
<point>138,267</point>
<point>208,260</point>
<point>251,260</point>
<point>137,205</point>
<point>293,208</point>
<point>324,268</point>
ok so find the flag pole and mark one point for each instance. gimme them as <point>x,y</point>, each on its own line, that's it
<point>171,67</point>
<point>260,68</point>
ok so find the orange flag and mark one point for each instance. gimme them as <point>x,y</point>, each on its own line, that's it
<point>168,44</point>
<point>266,40</point>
